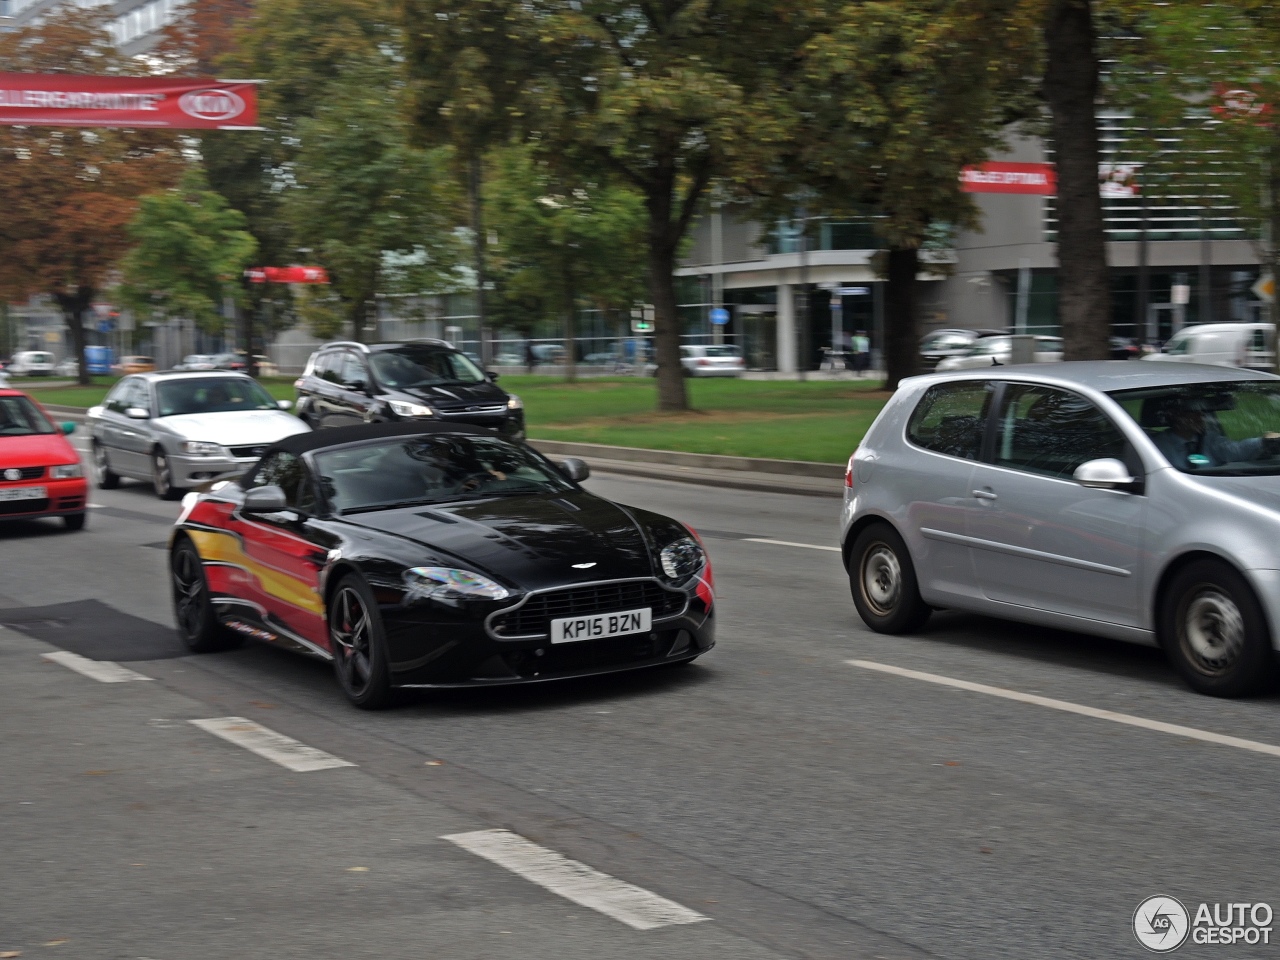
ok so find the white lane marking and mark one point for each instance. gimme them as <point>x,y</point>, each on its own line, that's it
<point>1067,706</point>
<point>95,506</point>
<point>788,543</point>
<point>632,905</point>
<point>276,747</point>
<point>103,670</point>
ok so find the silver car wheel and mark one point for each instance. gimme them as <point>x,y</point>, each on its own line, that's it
<point>881,579</point>
<point>1213,631</point>
<point>161,475</point>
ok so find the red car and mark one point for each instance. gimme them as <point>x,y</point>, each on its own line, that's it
<point>40,472</point>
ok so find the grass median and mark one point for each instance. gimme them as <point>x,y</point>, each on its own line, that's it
<point>819,420</point>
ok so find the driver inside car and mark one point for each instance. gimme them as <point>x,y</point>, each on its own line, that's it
<point>1195,438</point>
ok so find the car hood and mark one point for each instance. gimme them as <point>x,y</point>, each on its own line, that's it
<point>529,541</point>
<point>39,450</point>
<point>458,395</point>
<point>235,428</point>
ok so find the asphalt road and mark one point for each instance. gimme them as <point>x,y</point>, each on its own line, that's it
<point>783,801</point>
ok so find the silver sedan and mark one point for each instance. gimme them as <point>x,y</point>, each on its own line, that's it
<point>1106,497</point>
<point>180,430</point>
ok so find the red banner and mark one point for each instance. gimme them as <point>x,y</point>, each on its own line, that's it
<point>287,275</point>
<point>999,177</point>
<point>187,103</point>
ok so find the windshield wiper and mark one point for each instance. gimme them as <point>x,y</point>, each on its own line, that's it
<point>390,505</point>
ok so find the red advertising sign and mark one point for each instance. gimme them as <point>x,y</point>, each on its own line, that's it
<point>186,103</point>
<point>1239,103</point>
<point>287,275</point>
<point>1000,177</point>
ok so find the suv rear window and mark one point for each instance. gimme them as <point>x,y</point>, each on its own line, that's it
<point>950,417</point>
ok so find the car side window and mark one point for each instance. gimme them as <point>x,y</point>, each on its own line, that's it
<point>115,400</point>
<point>327,365</point>
<point>288,472</point>
<point>136,396</point>
<point>353,370</point>
<point>950,418</point>
<point>1051,432</point>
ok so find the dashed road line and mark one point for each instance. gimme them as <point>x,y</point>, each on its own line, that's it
<point>789,543</point>
<point>275,747</point>
<point>102,670</point>
<point>636,907</point>
<point>1066,706</point>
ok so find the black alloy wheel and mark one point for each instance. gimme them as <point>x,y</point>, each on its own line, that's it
<point>192,608</point>
<point>358,643</point>
<point>162,476</point>
<point>1213,629</point>
<point>882,580</point>
<point>102,475</point>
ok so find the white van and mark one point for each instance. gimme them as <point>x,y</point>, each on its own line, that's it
<point>1249,345</point>
<point>31,363</point>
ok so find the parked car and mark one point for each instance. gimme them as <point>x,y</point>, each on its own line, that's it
<point>180,430</point>
<point>266,366</point>
<point>31,363</point>
<point>989,351</point>
<point>449,524</point>
<point>1132,501</point>
<point>229,361</point>
<point>712,360</point>
<point>40,472</point>
<point>1124,348</point>
<point>68,367</point>
<point>197,361</point>
<point>134,364</point>
<point>1250,345</point>
<point>941,344</point>
<point>348,383</point>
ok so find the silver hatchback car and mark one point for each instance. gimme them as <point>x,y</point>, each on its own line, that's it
<point>1104,497</point>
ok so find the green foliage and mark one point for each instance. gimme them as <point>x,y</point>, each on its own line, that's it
<point>190,247</point>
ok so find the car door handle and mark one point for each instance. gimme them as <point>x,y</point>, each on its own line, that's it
<point>984,494</point>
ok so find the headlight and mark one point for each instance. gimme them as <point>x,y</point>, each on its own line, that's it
<point>402,408</point>
<point>682,559</point>
<point>64,471</point>
<point>198,448</point>
<point>514,402</point>
<point>443,583</point>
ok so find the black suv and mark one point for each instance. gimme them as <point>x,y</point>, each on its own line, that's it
<point>348,383</point>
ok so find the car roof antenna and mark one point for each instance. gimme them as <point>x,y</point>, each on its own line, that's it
<point>996,363</point>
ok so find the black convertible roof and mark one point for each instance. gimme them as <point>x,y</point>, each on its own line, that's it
<point>301,443</point>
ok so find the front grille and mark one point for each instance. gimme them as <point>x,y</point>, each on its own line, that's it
<point>23,506</point>
<point>241,453</point>
<point>533,618</point>
<point>28,473</point>
<point>477,412</point>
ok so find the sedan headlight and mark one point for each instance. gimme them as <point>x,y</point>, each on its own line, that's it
<point>402,408</point>
<point>514,402</point>
<point>65,471</point>
<point>444,583</point>
<point>682,559</point>
<point>198,448</point>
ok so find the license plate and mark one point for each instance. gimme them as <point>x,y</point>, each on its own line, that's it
<point>24,493</point>
<point>573,629</point>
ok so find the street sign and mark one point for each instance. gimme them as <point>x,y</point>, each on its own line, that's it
<point>854,291</point>
<point>1265,288</point>
<point>718,315</point>
<point>641,326</point>
<point>1180,294</point>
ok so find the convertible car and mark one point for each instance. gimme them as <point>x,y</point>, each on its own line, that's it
<point>436,555</point>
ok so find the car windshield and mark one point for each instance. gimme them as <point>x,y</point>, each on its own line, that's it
<point>431,469</point>
<point>420,365</point>
<point>1222,429</point>
<point>211,395</point>
<point>19,417</point>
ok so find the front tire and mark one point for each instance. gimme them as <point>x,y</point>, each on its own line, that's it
<point>73,521</point>
<point>192,607</point>
<point>1214,631</point>
<point>102,475</point>
<point>882,580</point>
<point>359,645</point>
<point>162,476</point>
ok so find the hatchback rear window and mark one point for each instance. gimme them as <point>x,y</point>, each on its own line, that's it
<point>950,417</point>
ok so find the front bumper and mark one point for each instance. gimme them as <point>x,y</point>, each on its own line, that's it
<point>64,496</point>
<point>193,471</point>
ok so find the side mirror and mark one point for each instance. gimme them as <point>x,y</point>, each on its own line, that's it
<point>137,413</point>
<point>67,427</point>
<point>284,404</point>
<point>269,499</point>
<point>575,469</point>
<point>491,375</point>
<point>1107,473</point>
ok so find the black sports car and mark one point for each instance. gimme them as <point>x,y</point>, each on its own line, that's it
<point>436,555</point>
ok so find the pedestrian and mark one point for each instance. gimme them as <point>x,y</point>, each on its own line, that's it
<point>861,352</point>
<point>530,358</point>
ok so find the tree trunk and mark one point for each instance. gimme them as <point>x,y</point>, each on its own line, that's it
<point>475,176</point>
<point>672,395</point>
<point>73,306</point>
<point>1071,90</point>
<point>570,328</point>
<point>902,326</point>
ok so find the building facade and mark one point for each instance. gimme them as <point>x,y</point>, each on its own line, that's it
<point>135,25</point>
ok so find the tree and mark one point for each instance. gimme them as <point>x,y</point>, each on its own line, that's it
<point>664,96</point>
<point>70,192</point>
<point>190,250</point>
